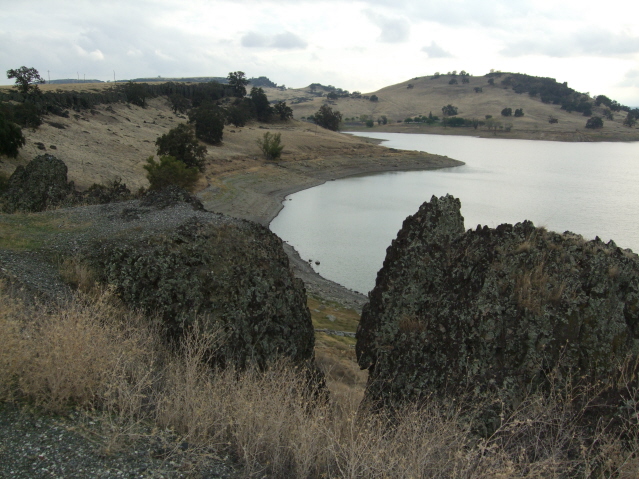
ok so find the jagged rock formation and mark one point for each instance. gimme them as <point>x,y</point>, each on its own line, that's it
<point>39,185</point>
<point>222,272</point>
<point>502,310</point>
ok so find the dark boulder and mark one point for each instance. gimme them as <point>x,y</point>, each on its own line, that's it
<point>224,273</point>
<point>40,185</point>
<point>501,311</point>
<point>171,196</point>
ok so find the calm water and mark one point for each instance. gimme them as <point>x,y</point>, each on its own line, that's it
<point>587,188</point>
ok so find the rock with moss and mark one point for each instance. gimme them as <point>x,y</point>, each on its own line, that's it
<point>110,192</point>
<point>501,311</point>
<point>170,196</point>
<point>229,275</point>
<point>40,185</point>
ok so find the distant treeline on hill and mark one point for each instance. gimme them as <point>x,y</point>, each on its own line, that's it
<point>550,90</point>
<point>256,81</point>
<point>28,113</point>
<point>65,81</point>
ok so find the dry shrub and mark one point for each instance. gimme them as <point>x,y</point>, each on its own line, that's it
<point>94,354</point>
<point>90,353</point>
<point>78,274</point>
<point>535,288</point>
<point>14,350</point>
<point>341,367</point>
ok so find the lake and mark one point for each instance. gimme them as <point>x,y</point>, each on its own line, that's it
<point>588,188</point>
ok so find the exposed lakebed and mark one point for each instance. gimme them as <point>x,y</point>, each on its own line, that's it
<point>588,188</point>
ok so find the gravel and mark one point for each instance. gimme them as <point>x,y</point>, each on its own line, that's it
<point>76,446</point>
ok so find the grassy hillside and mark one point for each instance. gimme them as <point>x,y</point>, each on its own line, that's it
<point>110,141</point>
<point>397,102</point>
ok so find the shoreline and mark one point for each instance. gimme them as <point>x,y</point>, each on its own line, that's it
<point>586,136</point>
<point>258,195</point>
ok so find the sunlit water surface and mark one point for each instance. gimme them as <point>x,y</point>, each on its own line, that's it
<point>587,188</point>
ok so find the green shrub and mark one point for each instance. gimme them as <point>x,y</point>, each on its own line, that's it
<point>594,122</point>
<point>11,137</point>
<point>327,118</point>
<point>180,142</point>
<point>209,122</point>
<point>170,171</point>
<point>238,114</point>
<point>271,145</point>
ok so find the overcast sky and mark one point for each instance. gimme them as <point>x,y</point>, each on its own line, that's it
<point>363,45</point>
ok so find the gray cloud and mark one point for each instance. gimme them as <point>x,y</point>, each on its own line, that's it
<point>435,51</point>
<point>394,30</point>
<point>494,14</point>
<point>281,41</point>
<point>631,79</point>
<point>254,40</point>
<point>591,42</point>
<point>287,41</point>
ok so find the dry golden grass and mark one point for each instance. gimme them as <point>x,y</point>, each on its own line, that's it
<point>397,102</point>
<point>95,356</point>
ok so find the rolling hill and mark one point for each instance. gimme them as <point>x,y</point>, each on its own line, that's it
<point>423,95</point>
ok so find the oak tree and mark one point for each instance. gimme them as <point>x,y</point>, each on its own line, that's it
<point>27,80</point>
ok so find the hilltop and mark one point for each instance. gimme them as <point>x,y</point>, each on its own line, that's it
<point>427,94</point>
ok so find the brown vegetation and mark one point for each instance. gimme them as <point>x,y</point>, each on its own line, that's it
<point>111,363</point>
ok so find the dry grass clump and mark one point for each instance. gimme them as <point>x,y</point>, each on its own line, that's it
<point>97,356</point>
<point>91,354</point>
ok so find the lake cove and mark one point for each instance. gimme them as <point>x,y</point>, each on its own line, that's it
<point>587,188</point>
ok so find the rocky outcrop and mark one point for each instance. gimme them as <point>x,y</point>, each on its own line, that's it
<point>39,185</point>
<point>170,196</point>
<point>504,311</point>
<point>227,274</point>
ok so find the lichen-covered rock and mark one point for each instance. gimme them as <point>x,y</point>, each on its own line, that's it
<point>112,192</point>
<point>502,310</point>
<point>171,196</point>
<point>225,273</point>
<point>39,185</point>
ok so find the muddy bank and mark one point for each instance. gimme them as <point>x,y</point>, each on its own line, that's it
<point>257,194</point>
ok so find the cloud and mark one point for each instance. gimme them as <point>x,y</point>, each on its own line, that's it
<point>255,40</point>
<point>631,79</point>
<point>493,14</point>
<point>394,30</point>
<point>94,55</point>
<point>281,41</point>
<point>586,42</point>
<point>163,56</point>
<point>288,40</point>
<point>435,51</point>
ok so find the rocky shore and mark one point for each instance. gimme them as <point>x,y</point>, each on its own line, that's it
<point>258,194</point>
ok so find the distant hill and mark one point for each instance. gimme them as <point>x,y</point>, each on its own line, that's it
<point>475,97</point>
<point>64,81</point>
